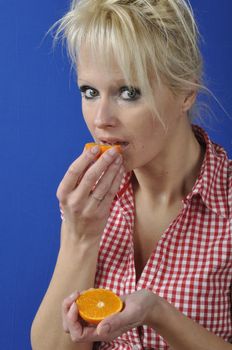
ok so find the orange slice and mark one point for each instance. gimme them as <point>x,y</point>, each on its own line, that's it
<point>96,304</point>
<point>103,148</point>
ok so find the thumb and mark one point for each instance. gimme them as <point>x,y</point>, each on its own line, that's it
<point>111,324</point>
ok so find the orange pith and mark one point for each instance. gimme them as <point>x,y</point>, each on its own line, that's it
<point>96,304</point>
<point>103,148</point>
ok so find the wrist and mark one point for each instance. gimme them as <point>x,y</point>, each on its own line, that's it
<point>79,255</point>
<point>70,237</point>
<point>157,312</point>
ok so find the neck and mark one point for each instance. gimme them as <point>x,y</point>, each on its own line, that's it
<point>171,175</point>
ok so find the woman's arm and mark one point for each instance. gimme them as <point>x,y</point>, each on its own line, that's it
<point>180,332</point>
<point>75,268</point>
<point>85,204</point>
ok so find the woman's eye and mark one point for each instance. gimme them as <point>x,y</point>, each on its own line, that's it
<point>88,92</point>
<point>130,93</point>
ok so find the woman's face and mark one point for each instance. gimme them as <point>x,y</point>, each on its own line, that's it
<point>115,113</point>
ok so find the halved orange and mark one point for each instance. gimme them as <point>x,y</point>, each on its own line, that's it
<point>103,148</point>
<point>96,304</point>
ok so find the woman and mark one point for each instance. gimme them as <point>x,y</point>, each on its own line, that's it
<point>156,227</point>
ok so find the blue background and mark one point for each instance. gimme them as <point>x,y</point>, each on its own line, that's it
<point>41,133</point>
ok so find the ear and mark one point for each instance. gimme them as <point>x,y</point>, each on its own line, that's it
<point>188,101</point>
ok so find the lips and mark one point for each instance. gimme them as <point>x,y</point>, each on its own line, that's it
<point>123,144</point>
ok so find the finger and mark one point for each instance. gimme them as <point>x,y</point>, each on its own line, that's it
<point>88,334</point>
<point>72,322</point>
<point>114,186</point>
<point>116,324</point>
<point>107,326</point>
<point>78,332</point>
<point>75,172</point>
<point>106,185</point>
<point>66,306</point>
<point>69,301</point>
<point>93,175</point>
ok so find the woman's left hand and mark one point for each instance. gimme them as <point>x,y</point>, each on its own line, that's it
<point>137,309</point>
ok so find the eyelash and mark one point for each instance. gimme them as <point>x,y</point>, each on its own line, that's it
<point>131,90</point>
<point>85,88</point>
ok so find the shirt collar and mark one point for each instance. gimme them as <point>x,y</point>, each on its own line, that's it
<point>124,184</point>
<point>212,182</point>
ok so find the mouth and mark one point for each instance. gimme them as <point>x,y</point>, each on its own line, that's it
<point>123,144</point>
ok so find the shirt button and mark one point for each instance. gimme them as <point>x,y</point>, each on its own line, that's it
<point>136,347</point>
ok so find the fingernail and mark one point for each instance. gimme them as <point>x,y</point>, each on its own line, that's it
<point>73,307</point>
<point>112,151</point>
<point>122,170</point>
<point>118,160</point>
<point>95,149</point>
<point>73,295</point>
<point>104,330</point>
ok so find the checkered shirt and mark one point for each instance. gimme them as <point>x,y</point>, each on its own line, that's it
<point>191,266</point>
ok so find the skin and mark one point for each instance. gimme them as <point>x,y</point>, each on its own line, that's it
<point>156,156</point>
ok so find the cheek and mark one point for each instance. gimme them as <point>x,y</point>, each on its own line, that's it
<point>151,139</point>
<point>147,131</point>
<point>85,111</point>
<point>88,116</point>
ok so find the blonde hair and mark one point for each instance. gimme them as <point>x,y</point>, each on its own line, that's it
<point>151,40</point>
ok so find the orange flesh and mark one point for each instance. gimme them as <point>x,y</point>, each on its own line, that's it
<point>96,304</point>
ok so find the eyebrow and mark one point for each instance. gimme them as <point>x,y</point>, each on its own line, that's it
<point>116,83</point>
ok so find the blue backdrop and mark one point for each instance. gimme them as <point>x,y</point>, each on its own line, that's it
<point>42,132</point>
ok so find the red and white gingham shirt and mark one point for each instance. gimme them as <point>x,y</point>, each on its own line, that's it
<point>191,266</point>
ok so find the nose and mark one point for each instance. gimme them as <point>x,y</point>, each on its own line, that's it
<point>105,115</point>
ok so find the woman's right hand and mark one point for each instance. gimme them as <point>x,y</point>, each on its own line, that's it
<point>84,199</point>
